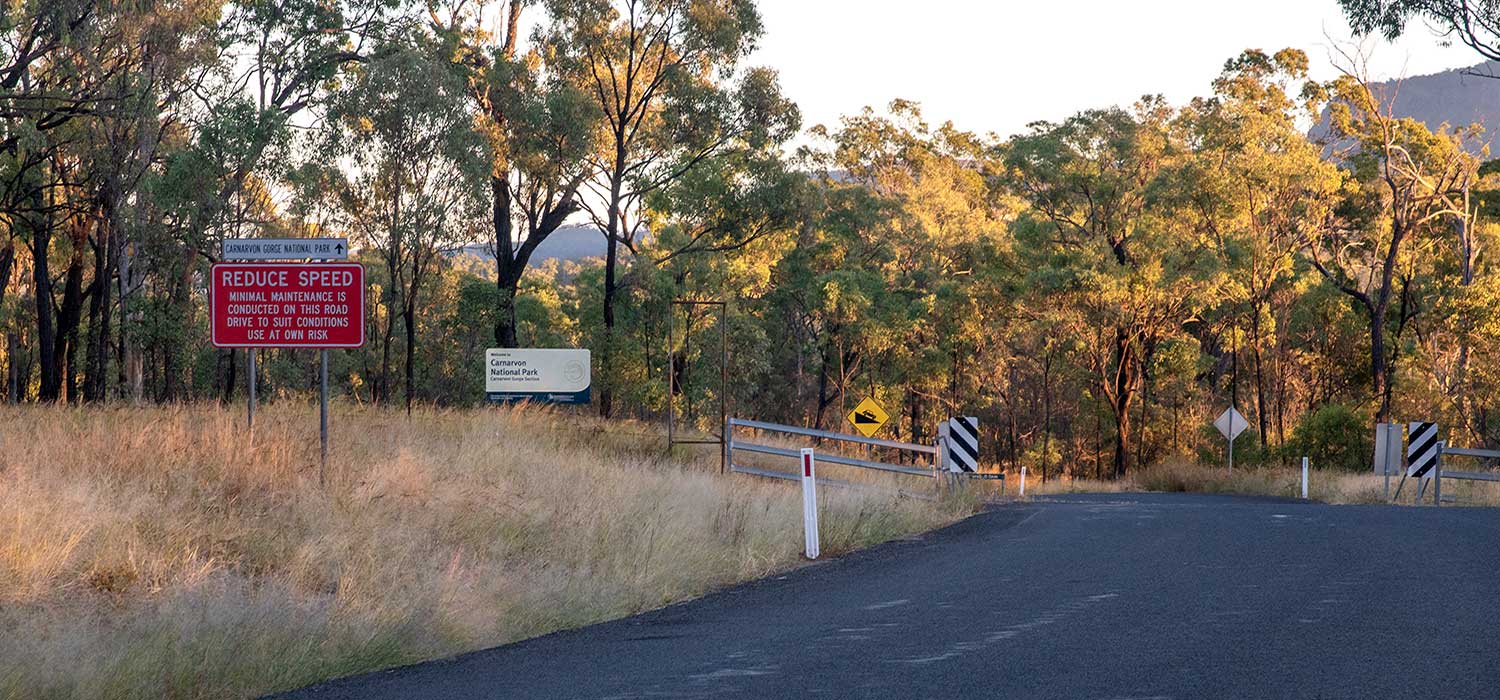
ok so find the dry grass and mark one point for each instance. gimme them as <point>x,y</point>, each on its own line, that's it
<point>1183,475</point>
<point>1063,485</point>
<point>1323,485</point>
<point>160,553</point>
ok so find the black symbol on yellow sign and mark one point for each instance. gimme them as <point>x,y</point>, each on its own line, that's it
<point>868,417</point>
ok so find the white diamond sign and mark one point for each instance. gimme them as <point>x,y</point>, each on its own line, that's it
<point>1231,423</point>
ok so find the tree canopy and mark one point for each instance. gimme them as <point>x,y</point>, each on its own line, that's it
<point>1095,289</point>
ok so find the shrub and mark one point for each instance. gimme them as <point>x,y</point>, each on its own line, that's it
<point>1247,449</point>
<point>1332,437</point>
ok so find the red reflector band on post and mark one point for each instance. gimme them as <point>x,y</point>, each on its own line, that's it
<point>806,465</point>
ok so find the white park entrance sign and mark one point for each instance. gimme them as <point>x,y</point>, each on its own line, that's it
<point>1231,424</point>
<point>551,376</point>
<point>285,249</point>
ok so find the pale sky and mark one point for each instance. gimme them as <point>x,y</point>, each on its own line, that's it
<point>995,66</point>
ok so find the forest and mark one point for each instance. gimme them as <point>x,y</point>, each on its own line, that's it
<point>1095,290</point>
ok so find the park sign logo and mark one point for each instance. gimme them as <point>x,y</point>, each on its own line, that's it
<point>547,376</point>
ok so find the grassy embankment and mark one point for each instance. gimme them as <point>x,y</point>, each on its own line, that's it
<point>162,553</point>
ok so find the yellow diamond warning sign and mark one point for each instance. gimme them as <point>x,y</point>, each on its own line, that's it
<point>868,417</point>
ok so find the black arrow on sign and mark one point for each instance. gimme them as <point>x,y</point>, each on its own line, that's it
<point>338,247</point>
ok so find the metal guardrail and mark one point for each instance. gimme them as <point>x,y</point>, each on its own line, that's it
<point>1439,473</point>
<point>1468,452</point>
<point>732,445</point>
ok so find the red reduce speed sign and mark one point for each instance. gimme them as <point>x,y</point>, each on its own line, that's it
<point>295,305</point>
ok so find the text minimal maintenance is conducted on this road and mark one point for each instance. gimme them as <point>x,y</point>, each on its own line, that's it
<point>288,305</point>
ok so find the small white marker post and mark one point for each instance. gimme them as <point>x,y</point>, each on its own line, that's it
<point>1304,478</point>
<point>1023,482</point>
<point>810,502</point>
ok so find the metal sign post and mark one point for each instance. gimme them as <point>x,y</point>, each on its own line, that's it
<point>1388,452</point>
<point>296,305</point>
<point>250,400</point>
<point>323,418</point>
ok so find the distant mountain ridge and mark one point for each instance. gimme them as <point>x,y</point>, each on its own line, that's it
<point>568,243</point>
<point>1458,97</point>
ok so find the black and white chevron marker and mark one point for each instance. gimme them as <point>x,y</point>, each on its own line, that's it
<point>963,444</point>
<point>1421,448</point>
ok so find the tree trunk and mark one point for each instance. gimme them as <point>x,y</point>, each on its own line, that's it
<point>611,261</point>
<point>172,363</point>
<point>1046,411</point>
<point>1098,449</point>
<point>1380,381</point>
<point>12,368</point>
<point>1122,441</point>
<point>96,383</point>
<point>231,370</point>
<point>824,400</point>
<point>12,345</point>
<point>1260,380</point>
<point>508,268</point>
<point>1121,391</point>
<point>7,263</point>
<point>918,435</point>
<point>130,354</point>
<point>41,279</point>
<point>410,315</point>
<point>606,389</point>
<point>383,387</point>
<point>1468,251</point>
<point>69,316</point>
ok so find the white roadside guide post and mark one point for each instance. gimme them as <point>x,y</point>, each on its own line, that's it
<point>1023,481</point>
<point>1304,478</point>
<point>810,502</point>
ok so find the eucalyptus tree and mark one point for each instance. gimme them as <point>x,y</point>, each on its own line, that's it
<point>540,127</point>
<point>943,217</point>
<point>413,171</point>
<point>666,77</point>
<point>1097,246</point>
<point>1252,186</point>
<point>277,62</point>
<point>1475,23</point>
<point>50,80</point>
<point>166,55</point>
<point>1408,185</point>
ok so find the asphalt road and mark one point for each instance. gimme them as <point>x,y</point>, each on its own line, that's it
<point>1109,596</point>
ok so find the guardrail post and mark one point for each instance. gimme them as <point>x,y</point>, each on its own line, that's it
<point>1437,476</point>
<point>940,460</point>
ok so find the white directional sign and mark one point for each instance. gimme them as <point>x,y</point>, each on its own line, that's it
<point>1231,423</point>
<point>552,376</point>
<point>285,249</point>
